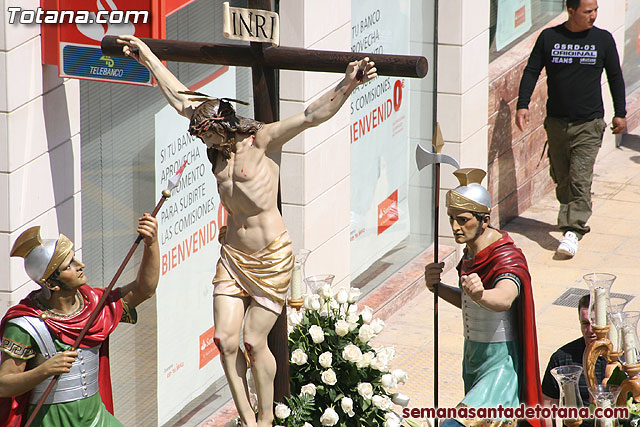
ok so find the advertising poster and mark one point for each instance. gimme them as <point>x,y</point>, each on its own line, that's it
<point>379,134</point>
<point>514,19</point>
<point>189,223</point>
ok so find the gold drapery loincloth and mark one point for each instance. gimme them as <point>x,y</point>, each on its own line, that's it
<point>263,275</point>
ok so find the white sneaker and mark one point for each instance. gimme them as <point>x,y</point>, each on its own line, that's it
<point>568,244</point>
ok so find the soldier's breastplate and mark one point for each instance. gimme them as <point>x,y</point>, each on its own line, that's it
<point>80,382</point>
<point>484,325</point>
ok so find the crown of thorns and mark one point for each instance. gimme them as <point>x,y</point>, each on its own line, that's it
<point>223,111</point>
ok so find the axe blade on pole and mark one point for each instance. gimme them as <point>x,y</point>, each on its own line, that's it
<point>425,158</point>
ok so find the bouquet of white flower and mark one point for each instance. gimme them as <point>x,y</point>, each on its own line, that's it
<point>337,377</point>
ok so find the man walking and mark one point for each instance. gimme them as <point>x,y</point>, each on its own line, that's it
<point>574,55</point>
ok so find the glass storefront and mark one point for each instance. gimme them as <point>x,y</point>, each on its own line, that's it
<point>391,202</point>
<point>631,62</point>
<point>512,20</point>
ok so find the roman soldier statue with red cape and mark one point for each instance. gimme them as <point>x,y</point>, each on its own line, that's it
<point>39,332</point>
<point>500,363</point>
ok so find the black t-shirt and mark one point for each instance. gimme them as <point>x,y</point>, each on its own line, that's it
<point>574,64</point>
<point>571,354</point>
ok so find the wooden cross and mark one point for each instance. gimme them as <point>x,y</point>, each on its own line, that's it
<point>264,60</point>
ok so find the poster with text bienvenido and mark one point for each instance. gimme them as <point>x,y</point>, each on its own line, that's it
<point>189,224</point>
<point>379,134</point>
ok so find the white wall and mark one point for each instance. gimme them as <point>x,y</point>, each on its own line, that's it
<point>315,164</point>
<point>39,149</point>
<point>463,91</point>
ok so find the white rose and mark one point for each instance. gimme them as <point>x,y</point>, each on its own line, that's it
<point>299,357</point>
<point>351,353</point>
<point>333,305</point>
<point>388,381</point>
<point>352,317</point>
<point>400,399</point>
<point>365,333</point>
<point>352,326</point>
<point>342,296</point>
<point>295,317</point>
<point>391,422</point>
<point>353,309</point>
<point>365,360</point>
<point>306,425</point>
<point>308,389</point>
<point>326,291</point>
<point>329,417</point>
<point>325,311</point>
<point>378,364</point>
<point>365,390</point>
<point>387,403</point>
<point>378,401</point>
<point>317,334</point>
<point>354,294</point>
<point>385,354</point>
<point>312,302</point>
<point>400,376</point>
<point>325,359</point>
<point>329,377</point>
<point>367,314</point>
<point>347,406</point>
<point>377,325</point>
<point>342,327</point>
<point>282,411</point>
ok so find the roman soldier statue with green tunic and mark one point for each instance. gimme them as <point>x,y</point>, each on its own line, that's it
<point>500,362</point>
<point>39,332</point>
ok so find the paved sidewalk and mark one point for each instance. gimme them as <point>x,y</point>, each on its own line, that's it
<point>611,247</point>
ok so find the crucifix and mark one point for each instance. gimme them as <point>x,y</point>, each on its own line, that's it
<point>264,61</point>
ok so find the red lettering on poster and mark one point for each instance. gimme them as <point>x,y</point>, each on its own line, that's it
<point>208,349</point>
<point>189,246</point>
<point>388,212</point>
<point>397,94</point>
<point>520,16</point>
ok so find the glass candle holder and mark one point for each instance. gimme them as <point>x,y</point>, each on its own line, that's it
<point>599,286</point>
<point>301,257</point>
<point>615,308</point>
<point>627,323</point>
<point>315,283</point>
<point>567,377</point>
<point>604,396</point>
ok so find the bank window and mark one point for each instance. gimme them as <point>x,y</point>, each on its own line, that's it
<point>512,20</point>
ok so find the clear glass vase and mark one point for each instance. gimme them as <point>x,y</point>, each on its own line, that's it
<point>627,323</point>
<point>567,377</point>
<point>301,257</point>
<point>599,286</point>
<point>614,310</point>
<point>315,283</point>
<point>604,396</point>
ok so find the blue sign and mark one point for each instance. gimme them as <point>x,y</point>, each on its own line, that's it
<point>88,62</point>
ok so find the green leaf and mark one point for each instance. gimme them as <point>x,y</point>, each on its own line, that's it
<point>617,376</point>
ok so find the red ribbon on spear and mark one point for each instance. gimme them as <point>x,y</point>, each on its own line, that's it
<point>173,181</point>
